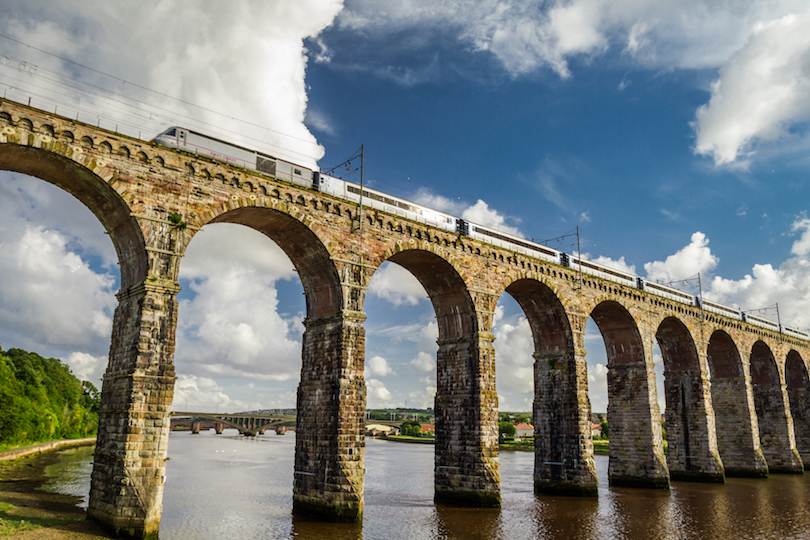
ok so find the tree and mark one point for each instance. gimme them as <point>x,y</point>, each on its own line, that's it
<point>604,428</point>
<point>506,429</point>
<point>411,429</point>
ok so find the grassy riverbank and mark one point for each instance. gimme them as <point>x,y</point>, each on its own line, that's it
<point>28,512</point>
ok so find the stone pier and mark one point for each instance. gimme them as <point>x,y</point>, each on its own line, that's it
<point>126,491</point>
<point>330,444</point>
<point>773,413</point>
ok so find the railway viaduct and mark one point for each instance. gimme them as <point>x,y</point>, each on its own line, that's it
<point>736,394</point>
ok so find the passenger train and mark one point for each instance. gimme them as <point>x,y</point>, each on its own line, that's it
<point>201,145</point>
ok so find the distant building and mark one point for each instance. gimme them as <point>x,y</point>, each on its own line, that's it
<point>524,430</point>
<point>596,430</point>
<point>428,429</point>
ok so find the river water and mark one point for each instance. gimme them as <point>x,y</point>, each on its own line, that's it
<point>236,488</point>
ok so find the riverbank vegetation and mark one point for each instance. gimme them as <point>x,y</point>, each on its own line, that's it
<point>41,400</point>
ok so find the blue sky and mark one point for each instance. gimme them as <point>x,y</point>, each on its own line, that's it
<point>673,134</point>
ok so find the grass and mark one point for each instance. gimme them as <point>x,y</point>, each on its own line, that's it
<point>11,523</point>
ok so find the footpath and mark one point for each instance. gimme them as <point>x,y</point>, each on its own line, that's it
<point>15,453</point>
<point>27,512</point>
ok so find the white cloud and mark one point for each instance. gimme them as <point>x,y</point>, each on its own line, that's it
<point>481,214</point>
<point>194,393</point>
<point>394,283</point>
<point>695,258</point>
<point>761,92</point>
<point>87,367</point>
<point>620,264</point>
<point>377,366</point>
<point>192,51</point>
<point>423,362</point>
<point>50,295</point>
<point>232,327</point>
<point>514,349</point>
<point>378,395</point>
<point>423,398</point>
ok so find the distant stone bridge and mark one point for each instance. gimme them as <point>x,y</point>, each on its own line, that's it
<point>736,394</point>
<point>249,425</point>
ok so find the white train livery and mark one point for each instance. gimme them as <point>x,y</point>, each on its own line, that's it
<point>198,144</point>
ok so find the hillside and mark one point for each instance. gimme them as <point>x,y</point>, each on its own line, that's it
<point>41,400</point>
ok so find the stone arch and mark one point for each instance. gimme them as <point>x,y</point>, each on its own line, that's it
<point>798,388</point>
<point>466,404</point>
<point>562,463</point>
<point>773,415</point>
<point>446,288</point>
<point>738,445</point>
<point>692,453</point>
<point>307,252</point>
<point>636,446</point>
<point>97,195</point>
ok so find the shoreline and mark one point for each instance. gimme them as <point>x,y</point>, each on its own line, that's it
<point>15,453</point>
<point>55,516</point>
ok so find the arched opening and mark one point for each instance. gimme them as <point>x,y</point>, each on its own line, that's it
<point>692,447</point>
<point>798,388</point>
<point>775,424</point>
<point>400,376</point>
<point>562,439</point>
<point>58,279</point>
<point>466,453</point>
<point>636,447</point>
<point>739,447</point>
<point>118,221</point>
<point>330,402</point>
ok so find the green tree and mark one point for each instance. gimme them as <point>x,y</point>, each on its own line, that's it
<point>506,429</point>
<point>411,428</point>
<point>41,400</point>
<point>604,428</point>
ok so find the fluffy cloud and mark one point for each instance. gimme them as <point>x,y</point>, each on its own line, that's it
<point>514,349</point>
<point>620,264</point>
<point>232,327</point>
<point>192,52</point>
<point>423,362</point>
<point>87,367</point>
<point>761,47</point>
<point>193,393</point>
<point>50,295</point>
<point>377,366</point>
<point>761,92</point>
<point>378,395</point>
<point>397,285</point>
<point>481,214</point>
<point>692,259</point>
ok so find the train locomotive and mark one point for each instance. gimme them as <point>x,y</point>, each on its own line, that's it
<point>192,142</point>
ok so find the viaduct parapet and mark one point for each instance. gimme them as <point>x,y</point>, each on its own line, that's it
<point>736,394</point>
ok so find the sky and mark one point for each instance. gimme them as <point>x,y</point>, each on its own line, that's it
<point>672,134</point>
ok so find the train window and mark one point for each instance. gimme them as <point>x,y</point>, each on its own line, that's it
<point>171,132</point>
<point>297,171</point>
<point>266,166</point>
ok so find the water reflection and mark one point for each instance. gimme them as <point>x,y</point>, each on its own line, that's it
<point>228,486</point>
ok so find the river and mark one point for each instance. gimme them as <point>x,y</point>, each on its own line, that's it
<point>236,488</point>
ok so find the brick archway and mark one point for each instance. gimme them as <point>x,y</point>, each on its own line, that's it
<point>692,452</point>
<point>773,414</point>
<point>798,388</point>
<point>561,409</point>
<point>636,447</point>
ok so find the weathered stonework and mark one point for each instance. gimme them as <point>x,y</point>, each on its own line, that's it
<point>732,389</point>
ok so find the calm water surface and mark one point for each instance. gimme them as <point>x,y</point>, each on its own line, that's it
<point>237,488</point>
